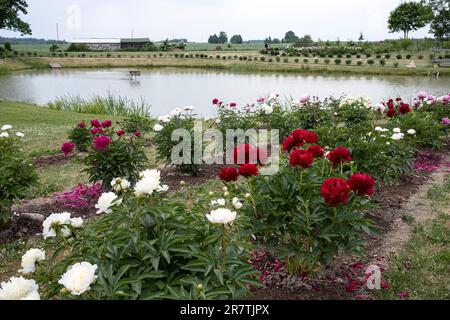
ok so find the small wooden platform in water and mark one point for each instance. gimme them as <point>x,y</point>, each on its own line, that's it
<point>134,74</point>
<point>55,66</point>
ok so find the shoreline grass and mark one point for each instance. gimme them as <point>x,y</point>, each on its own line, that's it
<point>29,63</point>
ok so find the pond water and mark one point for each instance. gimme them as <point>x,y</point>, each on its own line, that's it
<point>168,88</point>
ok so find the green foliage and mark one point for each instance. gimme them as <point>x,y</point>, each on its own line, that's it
<point>137,123</point>
<point>409,16</point>
<point>151,248</point>
<point>17,175</point>
<point>81,137</point>
<point>9,16</point>
<point>237,38</point>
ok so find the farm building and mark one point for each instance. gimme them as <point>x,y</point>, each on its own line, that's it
<point>98,44</point>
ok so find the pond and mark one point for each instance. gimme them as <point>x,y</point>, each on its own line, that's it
<point>168,88</point>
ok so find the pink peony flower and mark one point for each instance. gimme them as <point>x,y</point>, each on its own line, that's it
<point>67,147</point>
<point>96,123</point>
<point>445,121</point>
<point>106,123</point>
<point>102,142</point>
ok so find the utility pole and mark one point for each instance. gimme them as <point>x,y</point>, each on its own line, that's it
<point>132,31</point>
<point>57,32</point>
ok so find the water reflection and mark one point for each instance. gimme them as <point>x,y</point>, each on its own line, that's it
<point>167,88</point>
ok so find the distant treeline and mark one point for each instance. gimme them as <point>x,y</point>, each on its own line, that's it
<point>29,41</point>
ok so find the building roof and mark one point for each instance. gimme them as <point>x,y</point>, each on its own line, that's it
<point>97,40</point>
<point>134,40</point>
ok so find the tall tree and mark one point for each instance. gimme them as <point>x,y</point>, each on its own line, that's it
<point>305,41</point>
<point>290,37</point>
<point>237,38</point>
<point>409,16</point>
<point>213,39</point>
<point>223,38</point>
<point>9,16</point>
<point>440,21</point>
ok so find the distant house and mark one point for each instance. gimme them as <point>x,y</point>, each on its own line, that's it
<point>105,44</point>
<point>98,44</point>
<point>135,43</point>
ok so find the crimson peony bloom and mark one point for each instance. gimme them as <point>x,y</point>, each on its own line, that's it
<point>398,99</point>
<point>339,155</point>
<point>106,123</point>
<point>362,184</point>
<point>404,108</point>
<point>390,112</point>
<point>82,124</point>
<point>233,104</point>
<point>288,144</point>
<point>317,151</point>
<point>120,132</point>
<point>310,137</point>
<point>102,142</point>
<point>335,191</point>
<point>215,101</point>
<point>137,134</point>
<point>301,158</point>
<point>96,131</point>
<point>248,170</point>
<point>299,137</point>
<point>67,147</point>
<point>96,123</point>
<point>228,174</point>
<point>244,154</point>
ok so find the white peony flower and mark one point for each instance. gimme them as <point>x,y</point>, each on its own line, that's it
<point>396,130</point>
<point>158,127</point>
<point>55,220</point>
<point>146,185</point>
<point>218,121</point>
<point>120,184</point>
<point>273,96</point>
<point>380,107</point>
<point>267,108</point>
<point>20,134</point>
<point>76,222</point>
<point>7,127</point>
<point>153,173</point>
<point>189,108</point>
<point>162,188</point>
<point>411,131</point>
<point>379,129</point>
<point>175,112</point>
<point>79,277</point>
<point>106,201</point>
<point>29,260</point>
<point>4,135</point>
<point>236,203</point>
<point>221,216</point>
<point>218,202</point>
<point>19,288</point>
<point>397,136</point>
<point>247,195</point>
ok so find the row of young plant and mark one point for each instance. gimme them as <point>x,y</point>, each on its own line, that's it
<point>147,245</point>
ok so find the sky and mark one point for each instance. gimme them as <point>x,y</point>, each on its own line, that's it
<point>197,19</point>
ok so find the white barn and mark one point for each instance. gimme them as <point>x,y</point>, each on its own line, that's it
<point>99,44</point>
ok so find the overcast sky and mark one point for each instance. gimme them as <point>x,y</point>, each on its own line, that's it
<point>197,19</point>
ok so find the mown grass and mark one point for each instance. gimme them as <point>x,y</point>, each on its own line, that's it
<point>422,269</point>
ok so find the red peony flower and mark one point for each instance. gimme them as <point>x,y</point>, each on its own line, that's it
<point>390,104</point>
<point>102,142</point>
<point>120,132</point>
<point>248,170</point>
<point>96,123</point>
<point>398,99</point>
<point>67,147</point>
<point>362,184</point>
<point>288,144</point>
<point>96,131</point>
<point>215,101</point>
<point>390,112</point>
<point>228,174</point>
<point>317,151</point>
<point>106,123</point>
<point>232,104</point>
<point>301,158</point>
<point>244,154</point>
<point>137,134</point>
<point>82,124</point>
<point>310,137</point>
<point>299,137</point>
<point>335,191</point>
<point>404,108</point>
<point>339,155</point>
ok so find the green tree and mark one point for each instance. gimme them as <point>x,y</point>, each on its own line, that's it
<point>223,38</point>
<point>290,37</point>
<point>440,21</point>
<point>409,16</point>
<point>305,41</point>
<point>8,46</point>
<point>9,16</point>
<point>237,38</point>
<point>213,39</point>
<point>53,48</point>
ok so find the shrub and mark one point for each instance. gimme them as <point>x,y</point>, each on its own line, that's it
<point>420,57</point>
<point>358,56</point>
<point>408,56</point>
<point>368,55</point>
<point>399,56</point>
<point>17,175</point>
<point>296,60</point>
<point>382,62</point>
<point>378,56</point>
<point>285,60</point>
<point>81,137</point>
<point>327,61</point>
<point>370,61</point>
<point>305,60</point>
<point>137,123</point>
<point>348,62</point>
<point>316,61</point>
<point>396,64</point>
<point>262,59</point>
<point>348,56</point>
<point>359,62</point>
<point>113,153</point>
<point>337,61</point>
<point>285,222</point>
<point>387,56</point>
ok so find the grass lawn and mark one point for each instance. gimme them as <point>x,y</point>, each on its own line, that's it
<point>422,269</point>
